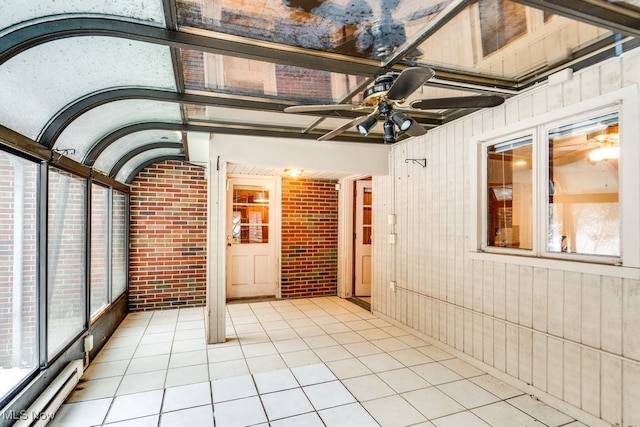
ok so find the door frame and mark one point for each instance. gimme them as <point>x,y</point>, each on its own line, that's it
<point>346,212</point>
<point>277,222</point>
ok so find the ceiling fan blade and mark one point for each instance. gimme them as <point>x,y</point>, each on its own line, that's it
<point>480,101</point>
<point>328,107</point>
<point>416,129</point>
<point>409,80</point>
<point>343,128</point>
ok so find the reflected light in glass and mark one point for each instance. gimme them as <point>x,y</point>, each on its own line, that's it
<point>605,153</point>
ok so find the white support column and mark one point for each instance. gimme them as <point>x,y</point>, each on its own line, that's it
<point>216,292</point>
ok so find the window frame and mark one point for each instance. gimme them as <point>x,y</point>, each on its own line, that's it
<point>484,246</point>
<point>623,101</point>
<point>543,197</point>
<point>94,315</point>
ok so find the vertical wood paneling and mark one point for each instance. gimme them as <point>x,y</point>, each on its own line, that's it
<point>589,83</point>
<point>450,212</point>
<point>631,319</point>
<point>478,331</point>
<point>451,325</point>
<point>526,296</point>
<point>540,300</point>
<point>572,306</point>
<point>500,346</point>
<point>525,108</point>
<point>487,341</point>
<point>555,367</point>
<point>499,290</point>
<point>495,302</point>
<point>571,91</point>
<point>478,283</point>
<point>539,361</point>
<point>428,326</point>
<point>459,345</point>
<point>631,394</point>
<point>590,382</point>
<point>487,288</point>
<point>525,355</point>
<point>555,288</point>
<point>539,102</point>
<point>611,390</point>
<point>468,332</point>
<point>513,364</point>
<point>611,326</point>
<point>591,297</point>
<point>630,65</point>
<point>572,374</point>
<point>443,321</point>
<point>512,292</point>
<point>610,76</point>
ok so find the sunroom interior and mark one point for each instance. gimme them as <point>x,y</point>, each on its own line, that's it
<point>505,233</point>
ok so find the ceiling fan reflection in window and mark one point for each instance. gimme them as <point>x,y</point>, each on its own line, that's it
<point>384,100</point>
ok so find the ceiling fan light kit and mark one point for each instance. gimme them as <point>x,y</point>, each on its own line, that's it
<point>387,92</point>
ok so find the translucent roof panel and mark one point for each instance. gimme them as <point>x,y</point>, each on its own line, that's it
<point>507,40</point>
<point>142,158</point>
<point>16,11</point>
<point>41,81</point>
<point>87,129</point>
<point>240,76</point>
<point>119,148</point>
<point>368,29</point>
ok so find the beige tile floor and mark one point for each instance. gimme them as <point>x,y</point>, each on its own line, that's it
<point>308,362</point>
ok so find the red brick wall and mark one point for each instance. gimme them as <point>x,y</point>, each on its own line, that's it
<point>168,237</point>
<point>309,238</point>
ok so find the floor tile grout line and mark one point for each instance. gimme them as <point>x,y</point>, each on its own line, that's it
<point>322,362</point>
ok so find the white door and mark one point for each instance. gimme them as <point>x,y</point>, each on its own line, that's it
<point>251,255</point>
<point>363,231</point>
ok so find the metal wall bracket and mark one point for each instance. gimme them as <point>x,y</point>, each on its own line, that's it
<point>421,162</point>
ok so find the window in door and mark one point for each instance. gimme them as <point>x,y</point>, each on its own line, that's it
<point>250,222</point>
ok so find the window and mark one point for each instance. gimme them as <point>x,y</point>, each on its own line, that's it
<point>66,301</point>
<point>574,190</point>
<point>99,295</point>
<point>509,194</point>
<point>18,270</point>
<point>583,209</point>
<point>250,214</point>
<point>118,245</point>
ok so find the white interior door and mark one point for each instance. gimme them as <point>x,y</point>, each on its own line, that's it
<point>363,232</point>
<point>251,248</point>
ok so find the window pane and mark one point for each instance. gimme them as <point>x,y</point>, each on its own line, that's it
<point>509,194</point>
<point>119,245</point>
<point>584,215</point>
<point>18,223</point>
<point>99,248</point>
<point>66,262</point>
<point>250,214</point>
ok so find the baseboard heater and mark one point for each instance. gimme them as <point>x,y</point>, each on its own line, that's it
<point>42,409</point>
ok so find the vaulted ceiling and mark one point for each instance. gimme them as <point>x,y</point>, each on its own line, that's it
<point>118,84</point>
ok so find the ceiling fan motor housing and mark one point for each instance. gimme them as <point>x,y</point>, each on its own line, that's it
<point>380,87</point>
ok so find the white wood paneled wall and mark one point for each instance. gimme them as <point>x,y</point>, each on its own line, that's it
<point>572,335</point>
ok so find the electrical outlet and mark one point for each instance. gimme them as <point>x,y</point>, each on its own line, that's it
<point>392,286</point>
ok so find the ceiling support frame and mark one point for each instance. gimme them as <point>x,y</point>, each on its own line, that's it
<point>599,13</point>
<point>24,38</point>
